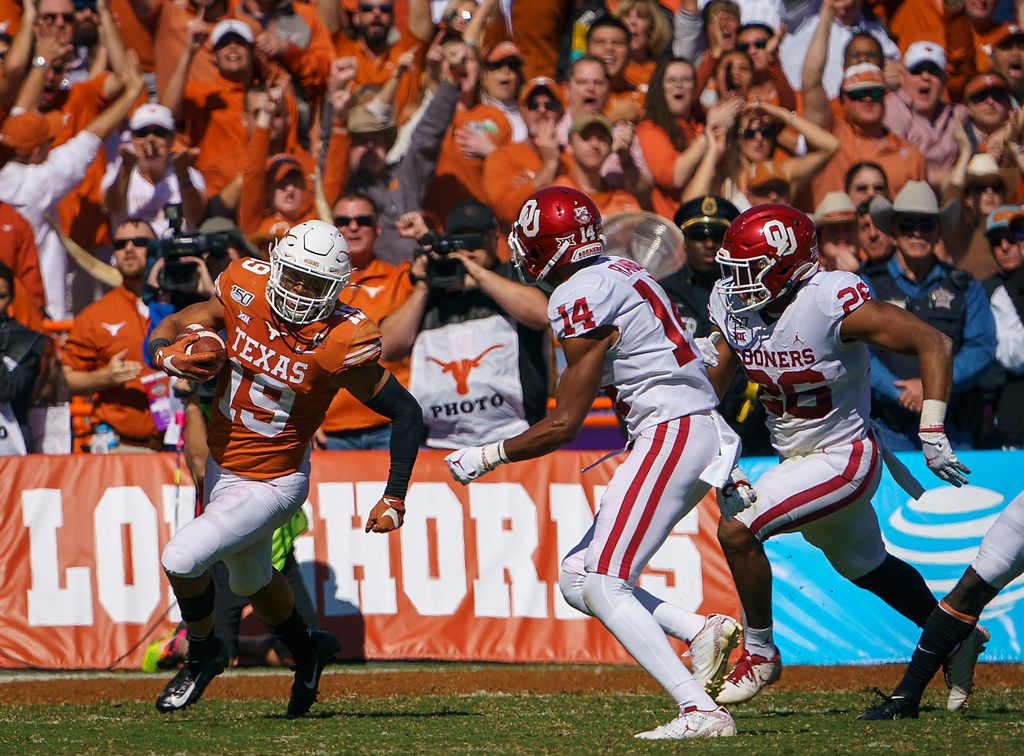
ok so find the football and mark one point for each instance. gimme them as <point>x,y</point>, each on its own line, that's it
<point>208,341</point>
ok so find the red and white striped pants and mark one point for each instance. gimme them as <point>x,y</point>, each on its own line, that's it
<point>652,490</point>
<point>825,496</point>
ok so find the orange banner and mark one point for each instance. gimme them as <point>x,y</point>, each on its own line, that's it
<point>472,575</point>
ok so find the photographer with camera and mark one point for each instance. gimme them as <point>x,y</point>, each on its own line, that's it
<point>146,176</point>
<point>475,335</point>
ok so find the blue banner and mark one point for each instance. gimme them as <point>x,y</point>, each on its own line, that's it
<point>821,618</point>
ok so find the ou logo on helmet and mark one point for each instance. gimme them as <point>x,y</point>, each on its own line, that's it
<point>529,218</point>
<point>780,236</point>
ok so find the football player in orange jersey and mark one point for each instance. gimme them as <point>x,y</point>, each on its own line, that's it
<point>290,346</point>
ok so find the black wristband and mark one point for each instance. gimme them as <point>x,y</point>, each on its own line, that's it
<point>394,402</point>
<point>154,345</point>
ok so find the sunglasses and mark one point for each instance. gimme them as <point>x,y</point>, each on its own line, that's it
<point>877,188</point>
<point>551,106</point>
<point>1000,96</point>
<point>996,238</point>
<point>370,8</point>
<point>928,66</point>
<point>157,131</point>
<point>983,186</point>
<point>514,63</point>
<point>765,132</point>
<point>702,235</point>
<point>451,16</point>
<point>908,224</point>
<point>863,95</point>
<point>135,241</point>
<point>343,221</point>
<point>760,44</point>
<point>67,18</point>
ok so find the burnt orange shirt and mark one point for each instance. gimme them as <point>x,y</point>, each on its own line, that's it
<point>660,156</point>
<point>255,217</point>
<point>167,25</point>
<point>10,16</point>
<point>625,105</point>
<point>377,69</point>
<point>81,212</point>
<point>137,35</point>
<point>508,179</point>
<point>608,202</point>
<point>18,252</point>
<point>309,65</point>
<point>280,378</point>
<point>116,321</point>
<point>377,290</point>
<point>901,161</point>
<point>639,74</point>
<point>457,177</point>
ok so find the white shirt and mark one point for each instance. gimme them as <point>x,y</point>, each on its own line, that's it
<point>793,51</point>
<point>34,191</point>
<point>1009,331</point>
<point>146,200</point>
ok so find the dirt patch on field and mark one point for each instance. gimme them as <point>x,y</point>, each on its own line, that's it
<point>368,682</point>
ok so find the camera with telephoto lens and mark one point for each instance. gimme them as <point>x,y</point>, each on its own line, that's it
<point>443,270</point>
<point>179,277</point>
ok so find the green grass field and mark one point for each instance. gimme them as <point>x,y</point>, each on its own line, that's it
<point>776,722</point>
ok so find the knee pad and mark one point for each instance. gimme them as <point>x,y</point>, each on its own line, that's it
<point>857,559</point>
<point>246,576</point>
<point>571,586</point>
<point>600,593</point>
<point>179,561</point>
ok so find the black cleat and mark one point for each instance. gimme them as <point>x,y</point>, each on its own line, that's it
<point>187,687</point>
<point>892,707</point>
<point>307,673</point>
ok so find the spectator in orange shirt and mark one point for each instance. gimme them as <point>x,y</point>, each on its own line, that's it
<point>761,44</point>
<point>378,289</point>
<point>476,130</point>
<point>376,44</point>
<point>988,100</point>
<point>649,34</point>
<point>514,172</point>
<point>1008,59</point>
<point>103,354</point>
<point>608,40</point>
<point>586,91</point>
<point>501,76</point>
<point>590,144</point>
<point>860,128</point>
<point>671,136</point>
<point>18,252</point>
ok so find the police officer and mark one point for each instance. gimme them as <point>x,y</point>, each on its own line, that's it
<point>704,221</point>
<point>950,300</point>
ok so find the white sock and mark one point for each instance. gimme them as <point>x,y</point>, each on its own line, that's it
<point>673,619</point>
<point>759,641</point>
<point>612,601</point>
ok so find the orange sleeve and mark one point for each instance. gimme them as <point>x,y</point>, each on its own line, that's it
<point>252,205</point>
<point>352,343</point>
<point>364,348</point>
<point>81,350</point>
<point>335,176</point>
<point>787,97</point>
<point>659,154</point>
<point>311,65</point>
<point>507,181</point>
<point>705,70</point>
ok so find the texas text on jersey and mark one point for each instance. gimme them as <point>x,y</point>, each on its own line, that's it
<point>654,372</point>
<point>281,378</point>
<point>814,386</point>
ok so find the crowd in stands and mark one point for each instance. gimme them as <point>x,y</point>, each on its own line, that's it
<point>144,144</point>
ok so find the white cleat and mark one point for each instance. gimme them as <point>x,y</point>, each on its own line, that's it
<point>751,673</point>
<point>710,649</point>
<point>959,670</point>
<point>694,723</point>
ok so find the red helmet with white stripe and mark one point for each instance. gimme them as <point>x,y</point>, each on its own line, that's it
<point>557,226</point>
<point>767,250</point>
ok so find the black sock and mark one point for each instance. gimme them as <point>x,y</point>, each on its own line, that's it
<point>294,634</point>
<point>942,634</point>
<point>901,587</point>
<point>202,646</point>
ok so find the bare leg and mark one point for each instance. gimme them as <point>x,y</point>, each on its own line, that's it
<point>750,571</point>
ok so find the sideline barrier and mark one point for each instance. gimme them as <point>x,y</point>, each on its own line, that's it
<point>471,576</point>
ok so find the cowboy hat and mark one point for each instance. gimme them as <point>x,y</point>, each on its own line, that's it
<point>915,198</point>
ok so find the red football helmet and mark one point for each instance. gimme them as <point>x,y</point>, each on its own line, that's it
<point>557,226</point>
<point>765,252</point>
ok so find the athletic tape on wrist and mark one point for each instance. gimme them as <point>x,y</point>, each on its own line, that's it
<point>933,414</point>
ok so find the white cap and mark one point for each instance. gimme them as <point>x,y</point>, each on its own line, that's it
<point>231,26</point>
<point>151,114</point>
<point>919,52</point>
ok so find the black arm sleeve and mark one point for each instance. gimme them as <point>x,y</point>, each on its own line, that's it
<point>394,402</point>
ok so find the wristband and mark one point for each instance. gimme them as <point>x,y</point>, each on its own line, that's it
<point>154,346</point>
<point>494,455</point>
<point>933,414</point>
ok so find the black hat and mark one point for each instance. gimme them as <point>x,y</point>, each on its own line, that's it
<point>709,215</point>
<point>470,216</point>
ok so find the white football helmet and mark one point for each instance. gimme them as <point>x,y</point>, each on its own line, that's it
<point>311,257</point>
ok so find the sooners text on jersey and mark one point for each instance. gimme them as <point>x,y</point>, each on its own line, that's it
<point>280,378</point>
<point>654,372</point>
<point>816,389</point>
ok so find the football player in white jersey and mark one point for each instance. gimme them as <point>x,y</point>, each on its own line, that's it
<point>801,334</point>
<point>999,561</point>
<point>619,331</point>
